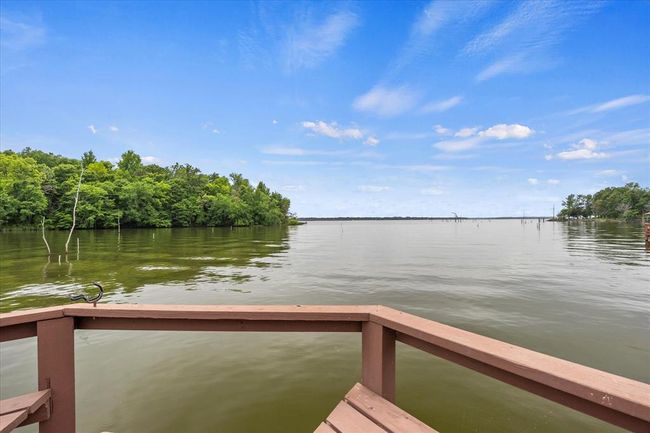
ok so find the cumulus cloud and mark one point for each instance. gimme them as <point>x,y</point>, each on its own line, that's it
<point>332,130</point>
<point>441,130</point>
<point>503,131</point>
<point>92,129</point>
<point>371,141</point>
<point>148,160</point>
<point>373,188</point>
<point>466,132</point>
<point>608,173</point>
<point>533,181</point>
<point>553,182</point>
<point>386,102</point>
<point>458,145</point>
<point>440,106</point>
<point>113,128</point>
<point>469,138</point>
<point>584,149</point>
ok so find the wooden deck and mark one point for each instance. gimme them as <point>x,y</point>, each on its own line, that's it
<point>614,399</point>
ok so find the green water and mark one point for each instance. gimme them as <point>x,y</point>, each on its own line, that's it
<point>576,291</point>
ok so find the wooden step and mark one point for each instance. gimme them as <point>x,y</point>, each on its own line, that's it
<point>363,411</point>
<point>24,409</point>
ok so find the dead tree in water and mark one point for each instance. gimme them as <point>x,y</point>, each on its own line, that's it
<point>44,239</point>
<point>74,210</point>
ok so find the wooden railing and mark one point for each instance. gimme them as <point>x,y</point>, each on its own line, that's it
<point>614,399</point>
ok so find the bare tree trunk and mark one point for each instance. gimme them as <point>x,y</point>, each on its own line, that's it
<point>45,240</point>
<point>74,210</point>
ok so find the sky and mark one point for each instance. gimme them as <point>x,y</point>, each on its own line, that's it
<point>482,108</point>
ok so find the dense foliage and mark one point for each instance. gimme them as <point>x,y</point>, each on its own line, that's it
<point>35,184</point>
<point>625,202</point>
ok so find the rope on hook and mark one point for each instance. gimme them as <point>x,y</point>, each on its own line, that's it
<point>94,300</point>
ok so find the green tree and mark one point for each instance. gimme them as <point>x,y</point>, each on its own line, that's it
<point>21,197</point>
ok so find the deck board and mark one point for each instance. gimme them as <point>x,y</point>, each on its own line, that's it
<point>384,413</point>
<point>30,402</point>
<point>324,428</point>
<point>347,419</point>
<point>12,420</point>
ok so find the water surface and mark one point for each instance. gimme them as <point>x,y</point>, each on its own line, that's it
<point>578,291</point>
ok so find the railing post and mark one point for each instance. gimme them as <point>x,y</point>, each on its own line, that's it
<point>56,372</point>
<point>378,359</point>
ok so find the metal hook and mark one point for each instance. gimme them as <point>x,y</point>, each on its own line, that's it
<point>92,300</point>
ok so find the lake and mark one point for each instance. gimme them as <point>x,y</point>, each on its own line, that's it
<point>578,291</point>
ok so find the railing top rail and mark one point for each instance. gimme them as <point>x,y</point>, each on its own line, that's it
<point>616,392</point>
<point>605,389</point>
<point>29,316</point>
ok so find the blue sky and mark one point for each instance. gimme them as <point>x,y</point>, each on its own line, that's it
<point>482,108</point>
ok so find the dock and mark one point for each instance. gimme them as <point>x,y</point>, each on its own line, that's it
<point>369,406</point>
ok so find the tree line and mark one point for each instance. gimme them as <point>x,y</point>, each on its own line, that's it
<point>36,185</point>
<point>625,202</point>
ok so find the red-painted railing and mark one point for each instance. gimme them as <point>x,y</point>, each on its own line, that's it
<point>614,399</point>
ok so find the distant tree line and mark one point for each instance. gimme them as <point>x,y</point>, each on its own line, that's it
<point>35,185</point>
<point>624,202</point>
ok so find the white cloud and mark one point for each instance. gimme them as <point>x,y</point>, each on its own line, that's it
<point>275,122</point>
<point>503,131</point>
<point>332,130</point>
<point>431,191</point>
<point>216,131</point>
<point>614,104</point>
<point>466,132</point>
<point>523,38</point>
<point>371,141</point>
<point>469,138</point>
<point>15,35</point>
<point>458,145</point>
<point>408,135</point>
<point>440,106</point>
<point>113,128</point>
<point>310,44</point>
<point>434,17</point>
<point>441,130</point>
<point>608,173</point>
<point>533,181</point>
<point>548,157</point>
<point>92,129</point>
<point>584,149</point>
<point>148,160</point>
<point>386,102</point>
<point>507,65</point>
<point>553,181</point>
<point>373,188</point>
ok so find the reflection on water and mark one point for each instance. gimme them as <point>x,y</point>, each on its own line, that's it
<point>578,291</point>
<point>615,242</point>
<point>129,260</point>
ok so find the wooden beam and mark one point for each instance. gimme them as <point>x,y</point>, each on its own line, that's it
<point>611,392</point>
<point>378,359</point>
<point>27,316</point>
<point>56,372</point>
<point>356,313</point>
<point>224,325</point>
<point>18,331</point>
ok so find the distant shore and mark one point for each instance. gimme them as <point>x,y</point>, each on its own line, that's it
<point>398,218</point>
